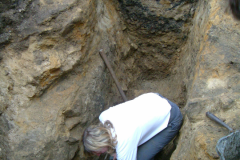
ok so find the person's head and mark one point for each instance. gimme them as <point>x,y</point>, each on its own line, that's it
<point>98,139</point>
<point>235,8</point>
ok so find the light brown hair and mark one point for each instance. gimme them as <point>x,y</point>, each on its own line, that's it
<point>96,137</point>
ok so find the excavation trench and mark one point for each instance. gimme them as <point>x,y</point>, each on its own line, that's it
<point>152,59</point>
<point>54,83</point>
<point>51,59</point>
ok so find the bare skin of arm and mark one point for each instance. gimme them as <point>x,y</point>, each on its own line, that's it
<point>114,156</point>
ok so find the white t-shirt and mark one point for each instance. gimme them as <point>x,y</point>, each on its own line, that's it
<point>136,121</point>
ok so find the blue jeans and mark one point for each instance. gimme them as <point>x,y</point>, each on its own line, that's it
<point>149,149</point>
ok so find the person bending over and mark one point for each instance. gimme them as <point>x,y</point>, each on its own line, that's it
<point>134,130</point>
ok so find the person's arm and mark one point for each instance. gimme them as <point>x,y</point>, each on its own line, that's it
<point>114,155</point>
<point>128,154</point>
